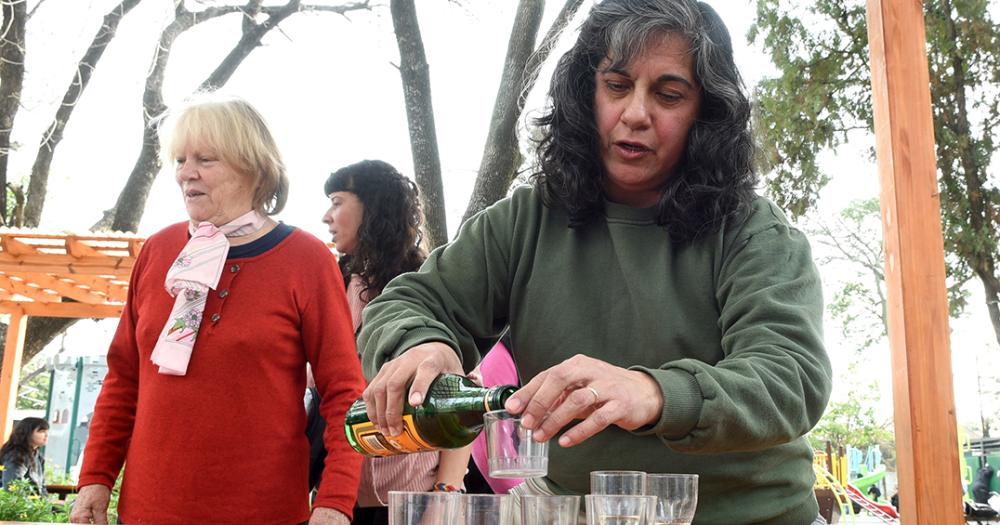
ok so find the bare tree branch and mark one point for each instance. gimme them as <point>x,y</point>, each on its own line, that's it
<point>33,9</point>
<point>127,212</point>
<point>502,154</point>
<point>38,184</point>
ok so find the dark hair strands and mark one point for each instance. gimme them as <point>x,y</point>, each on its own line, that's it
<point>18,446</point>
<point>715,180</point>
<point>389,236</point>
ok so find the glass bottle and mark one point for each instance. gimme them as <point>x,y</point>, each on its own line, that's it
<point>451,416</point>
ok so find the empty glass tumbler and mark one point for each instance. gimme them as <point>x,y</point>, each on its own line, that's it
<point>510,448</point>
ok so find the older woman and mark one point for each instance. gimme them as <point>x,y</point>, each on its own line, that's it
<point>203,397</point>
<point>652,297</point>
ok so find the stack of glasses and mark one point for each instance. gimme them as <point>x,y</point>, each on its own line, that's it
<point>616,498</point>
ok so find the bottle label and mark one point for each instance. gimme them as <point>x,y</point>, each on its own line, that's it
<point>375,443</point>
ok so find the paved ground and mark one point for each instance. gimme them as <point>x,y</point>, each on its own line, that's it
<point>863,519</point>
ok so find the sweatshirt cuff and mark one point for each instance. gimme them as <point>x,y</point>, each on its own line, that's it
<point>682,402</point>
<point>417,336</point>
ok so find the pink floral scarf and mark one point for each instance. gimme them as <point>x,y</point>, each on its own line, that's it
<point>196,270</point>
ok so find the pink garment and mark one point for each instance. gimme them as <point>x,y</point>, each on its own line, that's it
<point>406,472</point>
<point>356,300</point>
<point>496,368</point>
<point>196,269</point>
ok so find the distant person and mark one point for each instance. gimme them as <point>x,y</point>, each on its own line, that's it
<point>875,492</point>
<point>981,484</point>
<point>203,400</point>
<point>21,455</point>
<point>663,317</point>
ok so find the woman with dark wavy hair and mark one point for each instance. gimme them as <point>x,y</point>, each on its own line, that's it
<point>21,455</point>
<point>663,317</point>
<point>374,219</point>
<point>379,236</point>
<point>711,174</point>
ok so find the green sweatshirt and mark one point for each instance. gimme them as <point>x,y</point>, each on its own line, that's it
<point>729,326</point>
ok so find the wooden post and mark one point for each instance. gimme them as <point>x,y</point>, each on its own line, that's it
<point>11,374</point>
<point>923,397</point>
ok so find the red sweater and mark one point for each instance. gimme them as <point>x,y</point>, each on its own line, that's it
<point>226,443</point>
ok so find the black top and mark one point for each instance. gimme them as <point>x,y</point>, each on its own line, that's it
<point>265,243</point>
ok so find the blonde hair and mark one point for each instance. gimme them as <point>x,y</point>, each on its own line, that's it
<point>237,133</point>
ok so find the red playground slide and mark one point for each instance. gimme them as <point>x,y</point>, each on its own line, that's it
<point>885,512</point>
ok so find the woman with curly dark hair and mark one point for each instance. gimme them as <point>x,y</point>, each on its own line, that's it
<point>374,219</point>
<point>662,316</point>
<point>21,455</point>
<point>714,177</point>
<point>379,236</point>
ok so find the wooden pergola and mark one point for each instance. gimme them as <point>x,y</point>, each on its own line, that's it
<point>57,275</point>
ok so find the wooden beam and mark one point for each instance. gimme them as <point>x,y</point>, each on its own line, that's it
<point>923,396</point>
<point>70,310</point>
<point>19,287</point>
<point>16,247</point>
<point>66,288</point>
<point>121,271</point>
<point>76,247</point>
<point>115,288</point>
<point>134,246</point>
<point>99,260</point>
<point>10,375</point>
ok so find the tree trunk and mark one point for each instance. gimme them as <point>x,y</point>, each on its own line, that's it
<point>420,119</point>
<point>991,286</point>
<point>981,257</point>
<point>11,79</point>
<point>40,171</point>
<point>38,184</point>
<point>502,153</point>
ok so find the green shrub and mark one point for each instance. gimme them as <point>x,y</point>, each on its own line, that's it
<point>19,502</point>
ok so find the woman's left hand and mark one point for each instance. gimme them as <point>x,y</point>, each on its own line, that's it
<point>598,393</point>
<point>328,516</point>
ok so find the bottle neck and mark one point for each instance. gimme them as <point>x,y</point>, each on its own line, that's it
<point>497,396</point>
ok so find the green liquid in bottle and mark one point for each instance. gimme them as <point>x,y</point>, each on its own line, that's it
<point>451,416</point>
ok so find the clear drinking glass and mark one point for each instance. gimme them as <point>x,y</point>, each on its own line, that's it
<point>485,509</point>
<point>549,510</point>
<point>677,497</point>
<point>623,482</point>
<point>616,509</point>
<point>510,448</point>
<point>423,508</point>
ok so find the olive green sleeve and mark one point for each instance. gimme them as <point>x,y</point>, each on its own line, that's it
<point>774,382</point>
<point>459,295</point>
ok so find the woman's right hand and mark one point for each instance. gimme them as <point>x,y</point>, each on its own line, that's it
<point>91,505</point>
<point>416,367</point>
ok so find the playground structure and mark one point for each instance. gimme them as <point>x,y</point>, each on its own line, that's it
<point>843,480</point>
